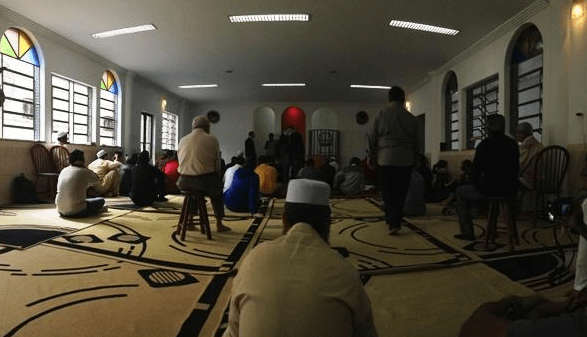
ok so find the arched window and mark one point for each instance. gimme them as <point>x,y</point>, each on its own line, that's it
<point>109,114</point>
<point>451,112</point>
<point>526,81</point>
<point>20,118</point>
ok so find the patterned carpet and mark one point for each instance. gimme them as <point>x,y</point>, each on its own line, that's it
<point>126,273</point>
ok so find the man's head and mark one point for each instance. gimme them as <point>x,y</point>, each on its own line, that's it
<point>355,161</point>
<point>62,137</point>
<point>240,160</point>
<point>270,136</point>
<point>201,122</point>
<point>143,158</point>
<point>119,156</point>
<point>77,158</point>
<point>310,162</point>
<point>397,94</point>
<point>307,201</point>
<point>102,154</point>
<point>251,134</point>
<point>495,124</point>
<point>524,131</point>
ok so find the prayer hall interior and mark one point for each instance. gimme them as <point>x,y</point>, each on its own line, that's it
<point>126,272</point>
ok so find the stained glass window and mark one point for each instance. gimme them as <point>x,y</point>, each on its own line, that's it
<point>526,83</point>
<point>109,116</point>
<point>20,117</point>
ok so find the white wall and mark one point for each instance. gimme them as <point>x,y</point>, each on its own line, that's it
<point>236,120</point>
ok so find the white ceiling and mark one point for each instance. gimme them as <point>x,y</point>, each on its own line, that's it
<point>196,44</point>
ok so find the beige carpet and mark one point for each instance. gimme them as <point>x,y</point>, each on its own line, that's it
<point>54,292</point>
<point>435,303</point>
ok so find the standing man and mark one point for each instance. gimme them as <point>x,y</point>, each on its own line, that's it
<point>393,144</point>
<point>250,152</point>
<point>199,167</point>
<point>296,285</point>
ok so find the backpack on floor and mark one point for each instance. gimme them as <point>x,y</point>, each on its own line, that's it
<point>23,190</point>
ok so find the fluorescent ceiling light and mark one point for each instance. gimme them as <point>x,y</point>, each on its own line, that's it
<point>269,17</point>
<point>369,86</point>
<point>421,26</point>
<point>122,31</point>
<point>198,86</point>
<point>284,84</point>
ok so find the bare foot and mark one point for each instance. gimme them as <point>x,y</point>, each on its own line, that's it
<point>104,209</point>
<point>221,228</point>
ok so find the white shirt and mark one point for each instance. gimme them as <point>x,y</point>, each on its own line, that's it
<point>71,189</point>
<point>581,264</point>
<point>229,176</point>
<point>102,166</point>
<point>297,286</point>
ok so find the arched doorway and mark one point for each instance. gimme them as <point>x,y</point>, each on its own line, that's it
<point>263,125</point>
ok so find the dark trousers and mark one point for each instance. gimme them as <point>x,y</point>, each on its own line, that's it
<point>209,185</point>
<point>394,182</point>
<point>93,206</point>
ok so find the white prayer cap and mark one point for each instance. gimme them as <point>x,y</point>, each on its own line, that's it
<point>306,191</point>
<point>61,134</point>
<point>101,153</point>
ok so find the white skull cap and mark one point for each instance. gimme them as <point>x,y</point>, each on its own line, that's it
<point>306,191</point>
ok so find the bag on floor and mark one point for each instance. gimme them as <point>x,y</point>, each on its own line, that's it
<point>23,190</point>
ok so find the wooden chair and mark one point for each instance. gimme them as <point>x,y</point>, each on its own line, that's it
<point>190,202</point>
<point>550,166</point>
<point>60,157</point>
<point>504,207</point>
<point>44,168</point>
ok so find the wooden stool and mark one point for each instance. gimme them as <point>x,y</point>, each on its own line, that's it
<point>503,206</point>
<point>187,213</point>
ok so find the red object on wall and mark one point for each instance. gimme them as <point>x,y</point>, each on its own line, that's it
<point>295,117</point>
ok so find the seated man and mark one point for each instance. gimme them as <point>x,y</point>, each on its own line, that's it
<point>171,174</point>
<point>62,138</point>
<point>529,147</point>
<point>239,163</point>
<point>328,172</point>
<point>309,171</point>
<point>107,170</point>
<point>243,193</point>
<point>350,180</point>
<point>267,176</point>
<point>126,175</point>
<point>531,316</point>
<point>415,199</point>
<point>199,167</point>
<point>494,173</point>
<point>72,184</point>
<point>148,183</point>
<point>296,285</point>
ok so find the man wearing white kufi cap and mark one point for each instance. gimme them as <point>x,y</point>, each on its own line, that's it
<point>296,285</point>
<point>109,174</point>
<point>62,138</point>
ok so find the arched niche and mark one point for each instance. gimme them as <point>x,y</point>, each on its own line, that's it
<point>263,125</point>
<point>324,119</point>
<point>451,112</point>
<point>296,118</point>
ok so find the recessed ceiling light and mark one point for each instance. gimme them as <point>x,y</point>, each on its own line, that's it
<point>423,27</point>
<point>284,84</point>
<point>369,86</point>
<point>269,17</point>
<point>198,86</point>
<point>122,31</point>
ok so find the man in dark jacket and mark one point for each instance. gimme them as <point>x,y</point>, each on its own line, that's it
<point>148,183</point>
<point>494,173</point>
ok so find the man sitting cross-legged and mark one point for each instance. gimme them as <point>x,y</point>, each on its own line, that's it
<point>72,184</point>
<point>109,174</point>
<point>297,285</point>
<point>148,183</point>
